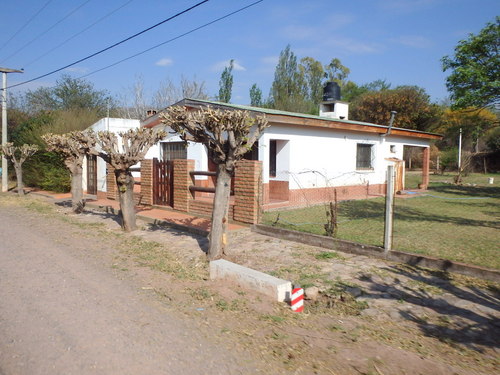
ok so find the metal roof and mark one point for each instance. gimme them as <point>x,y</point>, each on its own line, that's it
<point>268,111</point>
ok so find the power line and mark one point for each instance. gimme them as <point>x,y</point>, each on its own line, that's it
<point>77,34</point>
<point>170,40</point>
<point>112,46</point>
<point>26,24</point>
<point>49,29</point>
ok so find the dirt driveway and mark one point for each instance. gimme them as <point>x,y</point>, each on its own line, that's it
<point>78,293</point>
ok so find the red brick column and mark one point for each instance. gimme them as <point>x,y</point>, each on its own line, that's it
<point>426,156</point>
<point>248,191</point>
<point>111,189</point>
<point>182,181</point>
<point>147,182</point>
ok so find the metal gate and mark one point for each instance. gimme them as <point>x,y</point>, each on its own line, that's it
<point>92,174</point>
<point>162,182</point>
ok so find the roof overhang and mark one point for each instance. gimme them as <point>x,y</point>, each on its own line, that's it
<point>297,119</point>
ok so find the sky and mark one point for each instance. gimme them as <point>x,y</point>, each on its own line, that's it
<point>401,41</point>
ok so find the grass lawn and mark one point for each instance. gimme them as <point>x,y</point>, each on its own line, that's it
<point>460,223</point>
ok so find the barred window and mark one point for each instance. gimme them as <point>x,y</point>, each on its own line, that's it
<point>364,156</point>
<point>174,150</point>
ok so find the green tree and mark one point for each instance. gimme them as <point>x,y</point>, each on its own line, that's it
<point>288,91</point>
<point>255,96</point>
<point>475,124</point>
<point>411,103</point>
<point>69,94</point>
<point>475,69</point>
<point>312,75</point>
<point>226,83</point>
<point>351,91</point>
<point>336,72</point>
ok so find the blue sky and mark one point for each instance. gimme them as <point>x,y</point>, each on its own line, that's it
<point>400,41</point>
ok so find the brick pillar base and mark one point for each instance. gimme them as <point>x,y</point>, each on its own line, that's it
<point>426,156</point>
<point>248,191</point>
<point>182,181</point>
<point>147,182</point>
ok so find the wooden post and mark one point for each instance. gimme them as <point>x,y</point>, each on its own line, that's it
<point>389,210</point>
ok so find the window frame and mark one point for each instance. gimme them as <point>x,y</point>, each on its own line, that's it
<point>364,163</point>
<point>179,151</point>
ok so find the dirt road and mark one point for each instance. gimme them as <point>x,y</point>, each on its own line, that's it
<point>64,313</point>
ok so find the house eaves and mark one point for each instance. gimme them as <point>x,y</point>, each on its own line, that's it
<point>298,119</point>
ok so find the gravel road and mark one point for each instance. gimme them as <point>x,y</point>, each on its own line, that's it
<point>64,313</point>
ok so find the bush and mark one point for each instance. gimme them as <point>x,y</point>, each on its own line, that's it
<point>449,159</point>
<point>47,171</point>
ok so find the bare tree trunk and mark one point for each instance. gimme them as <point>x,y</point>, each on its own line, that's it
<point>19,175</point>
<point>218,230</point>
<point>77,201</point>
<point>125,185</point>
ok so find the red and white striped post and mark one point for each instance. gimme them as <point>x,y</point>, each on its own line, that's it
<point>297,300</point>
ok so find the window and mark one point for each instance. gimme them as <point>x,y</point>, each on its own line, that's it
<point>364,156</point>
<point>272,158</point>
<point>174,150</point>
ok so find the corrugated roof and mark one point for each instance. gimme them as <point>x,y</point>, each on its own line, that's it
<point>270,111</point>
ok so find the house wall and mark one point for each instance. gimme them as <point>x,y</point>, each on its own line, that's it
<point>310,162</point>
<point>114,125</point>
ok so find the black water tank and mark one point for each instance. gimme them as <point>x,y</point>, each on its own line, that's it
<point>331,91</point>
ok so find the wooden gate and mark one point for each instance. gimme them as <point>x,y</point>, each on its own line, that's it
<point>163,182</point>
<point>92,174</point>
<point>400,176</point>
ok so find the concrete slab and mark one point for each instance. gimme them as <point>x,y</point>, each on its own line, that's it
<point>248,278</point>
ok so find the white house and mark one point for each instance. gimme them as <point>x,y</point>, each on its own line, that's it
<point>94,176</point>
<point>306,158</point>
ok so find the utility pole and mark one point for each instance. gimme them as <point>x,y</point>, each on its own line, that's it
<point>5,176</point>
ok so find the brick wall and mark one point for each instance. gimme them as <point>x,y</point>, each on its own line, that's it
<point>248,191</point>
<point>182,181</point>
<point>202,207</point>
<point>304,197</point>
<point>147,181</point>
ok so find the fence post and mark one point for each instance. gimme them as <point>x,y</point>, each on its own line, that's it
<point>389,212</point>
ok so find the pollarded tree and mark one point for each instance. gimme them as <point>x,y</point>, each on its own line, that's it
<point>18,155</point>
<point>228,135</point>
<point>122,153</point>
<point>73,147</point>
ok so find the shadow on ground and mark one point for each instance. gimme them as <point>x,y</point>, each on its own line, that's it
<point>465,315</point>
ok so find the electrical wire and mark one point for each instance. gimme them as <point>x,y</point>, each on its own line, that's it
<point>49,29</point>
<point>26,24</point>
<point>172,39</point>
<point>77,34</point>
<point>113,45</point>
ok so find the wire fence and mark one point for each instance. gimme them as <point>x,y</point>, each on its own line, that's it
<point>456,222</point>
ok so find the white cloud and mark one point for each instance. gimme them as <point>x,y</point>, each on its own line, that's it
<point>271,60</point>
<point>223,64</point>
<point>299,32</point>
<point>77,69</point>
<point>352,46</point>
<point>413,41</point>
<point>164,62</point>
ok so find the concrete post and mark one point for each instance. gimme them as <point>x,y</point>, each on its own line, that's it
<point>389,210</point>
